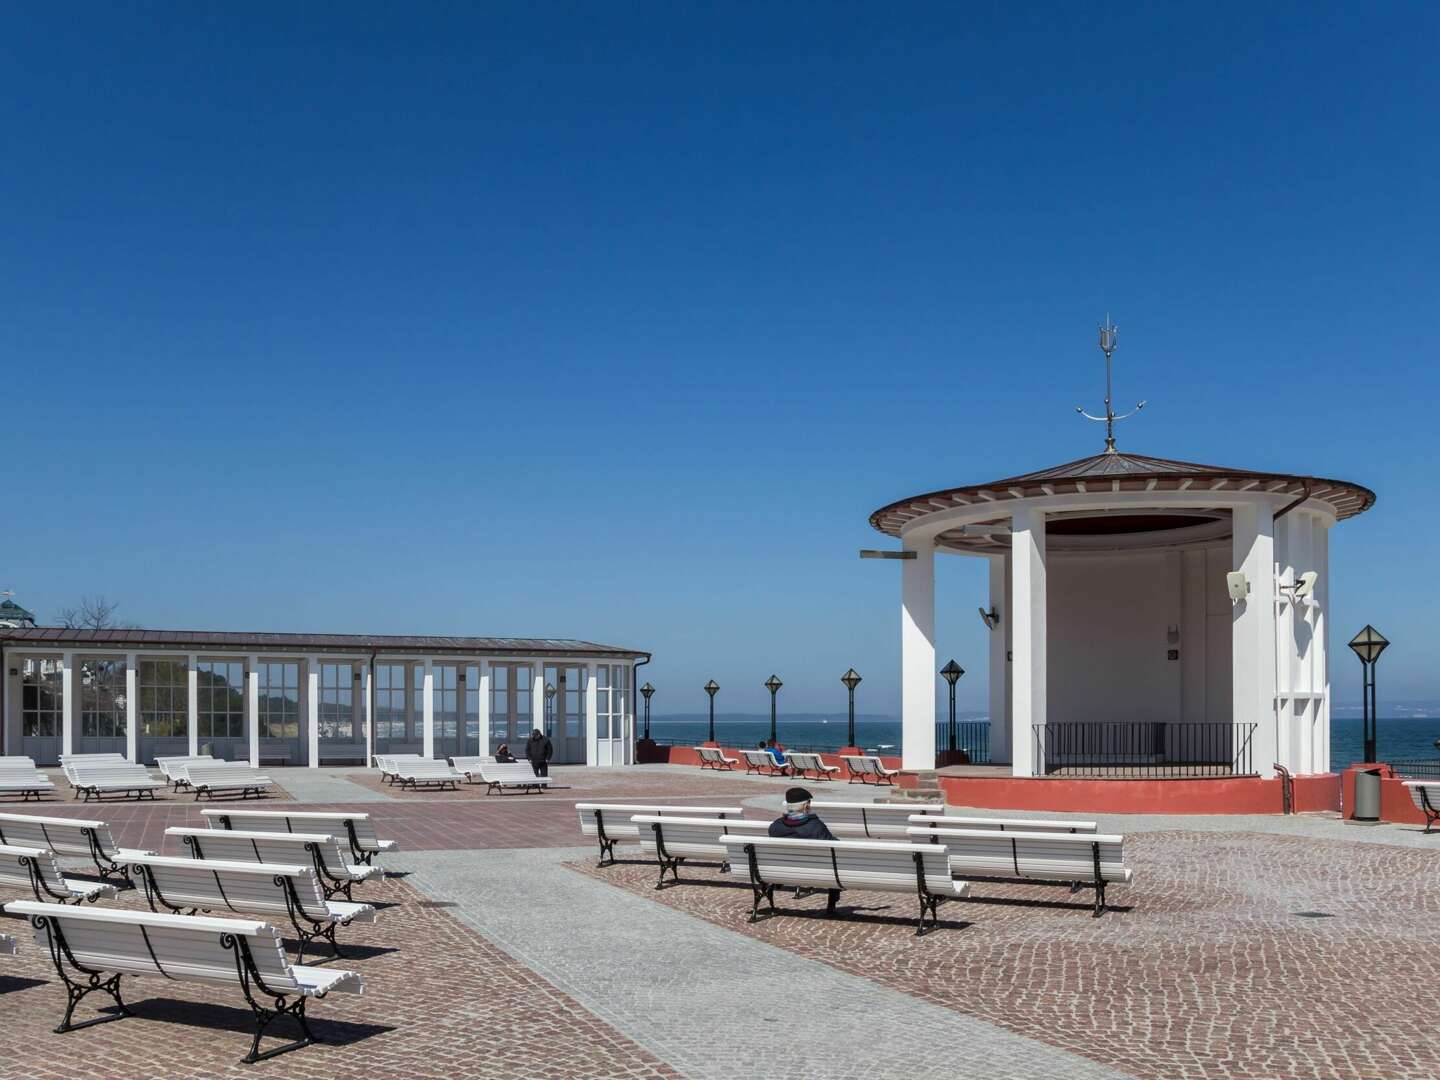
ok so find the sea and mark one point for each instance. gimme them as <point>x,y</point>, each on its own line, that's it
<point>1408,738</point>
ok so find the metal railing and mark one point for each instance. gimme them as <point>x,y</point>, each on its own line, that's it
<point>1144,750</point>
<point>971,736</point>
<point>829,748</point>
<point>1417,770</point>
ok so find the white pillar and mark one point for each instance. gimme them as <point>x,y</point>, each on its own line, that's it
<point>132,706</point>
<point>917,657</point>
<point>1029,632</point>
<point>482,706</point>
<point>592,717</point>
<point>537,698</point>
<point>312,711</point>
<point>1252,629</point>
<point>427,709</point>
<point>68,712</point>
<point>1321,644</point>
<point>369,733</point>
<point>192,706</point>
<point>999,666</point>
<point>252,710</point>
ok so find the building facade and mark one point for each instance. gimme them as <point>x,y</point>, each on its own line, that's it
<point>310,700</point>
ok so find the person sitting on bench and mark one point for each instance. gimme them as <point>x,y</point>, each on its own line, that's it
<point>775,753</point>
<point>503,755</point>
<point>799,823</point>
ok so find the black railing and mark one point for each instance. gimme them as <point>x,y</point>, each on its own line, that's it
<point>1121,750</point>
<point>971,736</point>
<point>828,748</point>
<point>1417,770</point>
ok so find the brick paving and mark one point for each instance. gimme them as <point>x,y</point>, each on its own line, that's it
<point>1211,973</point>
<point>440,1001</point>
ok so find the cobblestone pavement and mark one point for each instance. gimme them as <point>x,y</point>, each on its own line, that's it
<point>1212,972</point>
<point>713,1003</point>
<point>439,1002</point>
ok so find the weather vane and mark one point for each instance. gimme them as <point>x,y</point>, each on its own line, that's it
<point>1107,346</point>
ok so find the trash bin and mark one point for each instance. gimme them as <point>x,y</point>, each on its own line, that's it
<point>1367,795</point>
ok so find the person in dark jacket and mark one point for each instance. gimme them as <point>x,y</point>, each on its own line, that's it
<point>798,822</point>
<point>538,751</point>
<point>503,755</point>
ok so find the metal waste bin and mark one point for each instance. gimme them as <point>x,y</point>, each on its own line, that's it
<point>1367,795</point>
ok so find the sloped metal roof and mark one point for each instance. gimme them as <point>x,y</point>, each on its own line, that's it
<point>55,636</point>
<point>1125,472</point>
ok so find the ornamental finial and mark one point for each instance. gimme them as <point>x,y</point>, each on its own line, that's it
<point>1108,331</point>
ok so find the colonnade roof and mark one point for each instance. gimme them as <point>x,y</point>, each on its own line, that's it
<point>263,642</point>
<point>1124,472</point>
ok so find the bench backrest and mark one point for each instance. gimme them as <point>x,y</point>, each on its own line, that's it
<point>15,873</point>
<point>186,947</point>
<point>309,821</point>
<point>286,849</point>
<point>1052,856</point>
<point>1424,793</point>
<point>167,765</point>
<point>757,758</point>
<point>73,759</point>
<point>16,759</point>
<point>472,762</point>
<point>107,772</point>
<point>864,764</point>
<point>64,836</point>
<point>844,864</point>
<point>877,820</point>
<point>387,762</point>
<point>223,774</point>
<point>711,753</point>
<point>508,772</point>
<point>426,768</point>
<point>616,816</point>
<point>22,776</point>
<point>691,835</point>
<point>220,884</point>
<point>1054,825</point>
<point>807,762</point>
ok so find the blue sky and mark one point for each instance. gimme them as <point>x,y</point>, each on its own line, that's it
<point>617,321</point>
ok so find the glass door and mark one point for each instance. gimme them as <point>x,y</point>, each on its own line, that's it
<point>613,715</point>
<point>220,718</point>
<point>392,731</point>
<point>102,706</point>
<point>566,723</point>
<point>164,710</point>
<point>512,715</point>
<point>41,698</point>
<point>341,734</point>
<point>280,731</point>
<point>446,704</point>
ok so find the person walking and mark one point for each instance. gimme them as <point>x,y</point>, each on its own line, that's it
<point>538,751</point>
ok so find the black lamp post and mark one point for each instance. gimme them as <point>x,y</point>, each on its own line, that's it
<point>773,684</point>
<point>952,672</point>
<point>1368,645</point>
<point>550,709</point>
<point>712,688</point>
<point>851,679</point>
<point>645,692</point>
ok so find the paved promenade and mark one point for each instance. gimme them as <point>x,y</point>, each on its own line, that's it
<point>1247,949</point>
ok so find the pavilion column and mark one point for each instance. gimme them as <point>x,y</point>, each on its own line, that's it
<point>427,709</point>
<point>482,707</point>
<point>1000,731</point>
<point>537,699</point>
<point>68,712</point>
<point>1253,642</point>
<point>592,717</point>
<point>1029,632</point>
<point>132,707</point>
<point>917,656</point>
<point>369,738</point>
<point>192,708</point>
<point>252,709</point>
<point>1321,645</point>
<point>312,711</point>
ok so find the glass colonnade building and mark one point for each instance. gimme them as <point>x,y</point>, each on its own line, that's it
<point>310,699</point>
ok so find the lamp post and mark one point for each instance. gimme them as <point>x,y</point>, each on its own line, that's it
<point>1368,645</point>
<point>645,692</point>
<point>550,709</point>
<point>712,688</point>
<point>952,672</point>
<point>851,679</point>
<point>773,684</point>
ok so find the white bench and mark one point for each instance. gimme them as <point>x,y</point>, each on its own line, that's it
<point>761,761</point>
<point>386,763</point>
<point>223,778</point>
<point>86,945</point>
<point>871,821</point>
<point>98,779</point>
<point>1425,794</point>
<point>1053,825</point>
<point>712,757</point>
<point>610,824</point>
<point>868,770</point>
<point>1045,858</point>
<point>92,759</point>
<point>188,886</point>
<point>469,764</point>
<point>17,777</point>
<point>173,768</point>
<point>70,836</point>
<point>358,829</point>
<point>804,764</point>
<point>317,849</point>
<point>842,865</point>
<point>426,772</point>
<point>672,839</point>
<point>517,774</point>
<point>35,869</point>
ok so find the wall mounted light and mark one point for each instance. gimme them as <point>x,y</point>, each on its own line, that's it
<point>1237,585</point>
<point>1304,586</point>
<point>990,618</point>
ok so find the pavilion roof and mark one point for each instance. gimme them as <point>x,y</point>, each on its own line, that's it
<point>1125,472</point>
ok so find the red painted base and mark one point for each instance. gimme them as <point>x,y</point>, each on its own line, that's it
<point>650,754</point>
<point>1396,805</point>
<point>1247,795</point>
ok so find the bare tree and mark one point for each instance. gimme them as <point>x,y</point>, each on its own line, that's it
<point>93,613</point>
